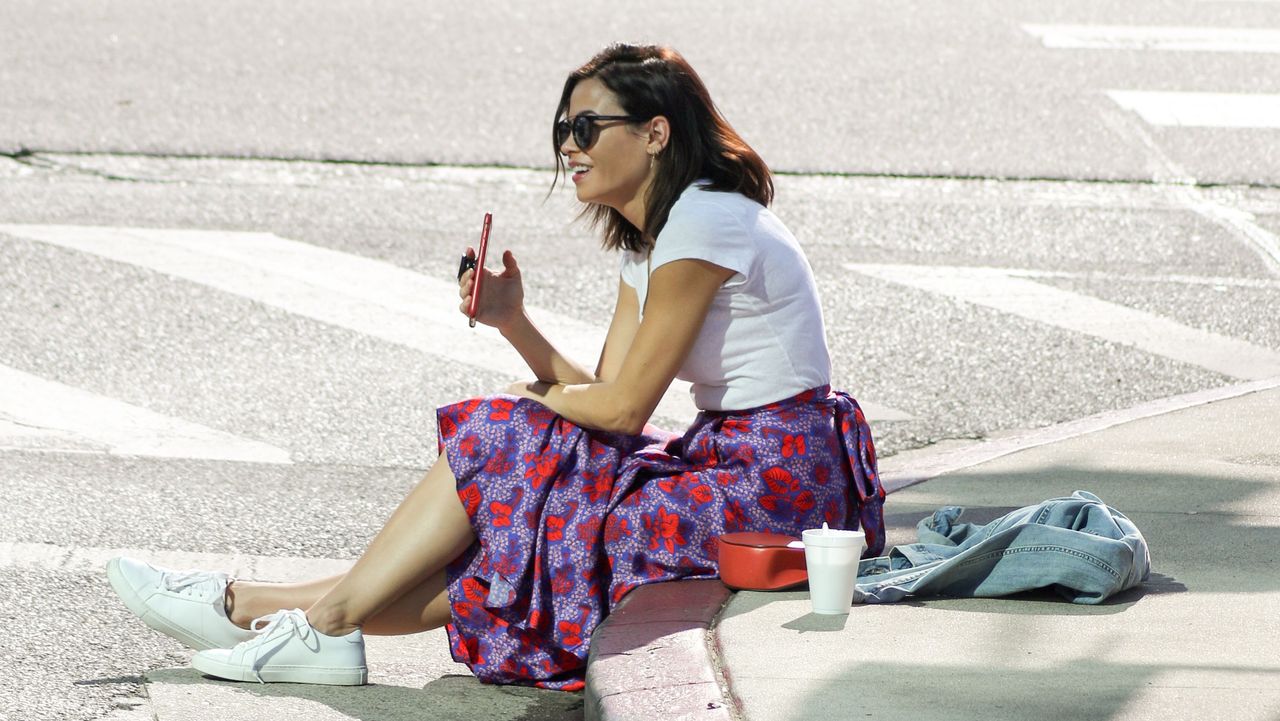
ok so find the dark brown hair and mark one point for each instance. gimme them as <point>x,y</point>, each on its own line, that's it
<point>652,80</point>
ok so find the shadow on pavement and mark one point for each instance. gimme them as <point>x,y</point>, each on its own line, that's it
<point>109,681</point>
<point>1045,602</point>
<point>1078,689</point>
<point>448,697</point>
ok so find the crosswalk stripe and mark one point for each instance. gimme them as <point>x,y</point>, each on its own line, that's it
<point>1001,289</point>
<point>353,292</point>
<point>1131,37</point>
<point>362,294</point>
<point>1201,110</point>
<point>43,415</point>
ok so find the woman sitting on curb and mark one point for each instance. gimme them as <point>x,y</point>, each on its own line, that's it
<point>551,501</point>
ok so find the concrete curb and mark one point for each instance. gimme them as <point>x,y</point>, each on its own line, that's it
<point>651,659</point>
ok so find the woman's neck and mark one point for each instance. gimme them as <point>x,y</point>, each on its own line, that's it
<point>634,209</point>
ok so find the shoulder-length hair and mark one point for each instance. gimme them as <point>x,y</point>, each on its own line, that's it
<point>652,80</point>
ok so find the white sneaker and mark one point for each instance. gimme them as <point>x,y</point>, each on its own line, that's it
<point>187,605</point>
<point>290,650</point>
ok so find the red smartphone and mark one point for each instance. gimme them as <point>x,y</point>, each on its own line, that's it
<point>475,288</point>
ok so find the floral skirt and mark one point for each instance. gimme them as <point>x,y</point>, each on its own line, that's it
<point>568,520</point>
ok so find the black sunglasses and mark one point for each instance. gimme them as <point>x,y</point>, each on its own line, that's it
<point>584,130</point>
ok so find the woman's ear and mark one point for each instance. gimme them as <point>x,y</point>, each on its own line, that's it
<point>659,134</point>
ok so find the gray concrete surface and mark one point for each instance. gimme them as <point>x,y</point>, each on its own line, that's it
<point>1197,640</point>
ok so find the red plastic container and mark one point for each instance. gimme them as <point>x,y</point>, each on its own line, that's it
<point>754,561</point>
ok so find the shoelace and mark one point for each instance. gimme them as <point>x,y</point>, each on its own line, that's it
<point>207,582</point>
<point>295,618</point>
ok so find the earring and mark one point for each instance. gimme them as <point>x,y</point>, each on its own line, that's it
<point>653,154</point>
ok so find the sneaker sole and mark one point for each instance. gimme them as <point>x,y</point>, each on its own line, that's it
<point>139,609</point>
<point>357,676</point>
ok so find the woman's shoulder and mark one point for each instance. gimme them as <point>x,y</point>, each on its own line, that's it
<point>700,208</point>
<point>712,225</point>
<point>700,196</point>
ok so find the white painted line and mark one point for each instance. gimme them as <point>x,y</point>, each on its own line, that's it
<point>66,559</point>
<point>1201,110</point>
<point>1131,37</point>
<point>1164,170</point>
<point>1241,223</point>
<point>998,288</point>
<point>353,292</point>
<point>368,296</point>
<point>919,469</point>
<point>39,414</point>
<point>1181,189</point>
<point>1175,278</point>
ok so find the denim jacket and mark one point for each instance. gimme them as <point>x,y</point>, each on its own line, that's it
<point>1080,546</point>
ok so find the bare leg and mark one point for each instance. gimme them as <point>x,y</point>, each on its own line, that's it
<point>247,600</point>
<point>428,529</point>
<point>421,609</point>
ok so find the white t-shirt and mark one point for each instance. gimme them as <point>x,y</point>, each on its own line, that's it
<point>763,339</point>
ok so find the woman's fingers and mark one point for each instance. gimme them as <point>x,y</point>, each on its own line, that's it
<point>464,283</point>
<point>504,290</point>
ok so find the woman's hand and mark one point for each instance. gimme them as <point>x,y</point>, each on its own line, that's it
<point>536,390</point>
<point>501,294</point>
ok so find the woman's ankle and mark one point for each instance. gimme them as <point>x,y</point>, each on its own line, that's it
<point>237,602</point>
<point>330,619</point>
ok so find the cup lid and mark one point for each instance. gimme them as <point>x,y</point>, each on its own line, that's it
<point>832,537</point>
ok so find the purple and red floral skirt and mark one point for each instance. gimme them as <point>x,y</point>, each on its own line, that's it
<point>568,520</point>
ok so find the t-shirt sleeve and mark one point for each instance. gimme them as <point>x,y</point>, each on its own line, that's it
<point>705,230</point>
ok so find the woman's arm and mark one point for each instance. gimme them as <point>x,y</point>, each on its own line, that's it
<point>680,293</point>
<point>547,363</point>
<point>502,306</point>
<point>622,331</point>
<point>535,348</point>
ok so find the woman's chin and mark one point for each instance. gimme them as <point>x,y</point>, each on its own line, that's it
<point>584,195</point>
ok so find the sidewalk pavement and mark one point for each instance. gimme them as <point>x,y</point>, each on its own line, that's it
<point>1199,639</point>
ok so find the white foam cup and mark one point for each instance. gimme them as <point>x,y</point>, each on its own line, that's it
<point>831,556</point>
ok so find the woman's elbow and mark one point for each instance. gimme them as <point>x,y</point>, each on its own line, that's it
<point>624,422</point>
<point>630,416</point>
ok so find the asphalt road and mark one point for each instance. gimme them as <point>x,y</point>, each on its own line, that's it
<point>901,88</point>
<point>181,117</point>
